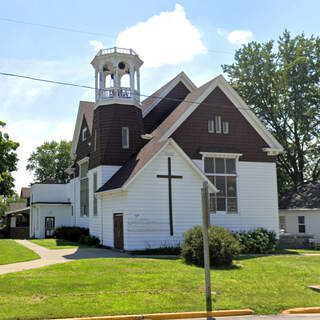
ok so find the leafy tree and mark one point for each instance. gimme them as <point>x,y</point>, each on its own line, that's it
<point>281,83</point>
<point>50,160</point>
<point>8,162</point>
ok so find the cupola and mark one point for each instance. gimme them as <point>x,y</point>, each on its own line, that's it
<point>117,77</point>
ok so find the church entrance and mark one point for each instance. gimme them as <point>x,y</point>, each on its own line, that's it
<point>118,230</point>
<point>49,226</point>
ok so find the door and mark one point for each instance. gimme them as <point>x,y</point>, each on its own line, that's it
<point>118,230</point>
<point>49,226</point>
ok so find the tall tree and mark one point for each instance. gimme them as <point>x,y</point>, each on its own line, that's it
<point>281,81</point>
<point>50,160</point>
<point>8,162</point>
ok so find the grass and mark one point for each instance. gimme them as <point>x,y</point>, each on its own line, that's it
<point>55,244</point>
<point>99,287</point>
<point>11,252</point>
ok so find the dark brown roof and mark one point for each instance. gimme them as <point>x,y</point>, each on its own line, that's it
<point>307,196</point>
<point>136,163</point>
<point>25,193</point>
<point>87,108</point>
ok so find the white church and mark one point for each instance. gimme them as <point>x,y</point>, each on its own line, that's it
<point>138,166</point>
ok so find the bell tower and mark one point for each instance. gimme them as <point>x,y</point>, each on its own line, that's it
<point>117,76</point>
<point>117,121</point>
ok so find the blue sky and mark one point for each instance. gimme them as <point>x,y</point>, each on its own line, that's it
<point>170,36</point>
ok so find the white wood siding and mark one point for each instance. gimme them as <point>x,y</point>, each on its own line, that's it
<point>62,214</point>
<point>311,219</point>
<point>257,199</point>
<point>147,219</point>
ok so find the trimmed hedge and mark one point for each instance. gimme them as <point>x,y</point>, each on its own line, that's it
<point>258,241</point>
<point>76,234</point>
<point>222,245</point>
<point>70,233</point>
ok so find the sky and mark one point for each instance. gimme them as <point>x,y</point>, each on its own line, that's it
<point>196,37</point>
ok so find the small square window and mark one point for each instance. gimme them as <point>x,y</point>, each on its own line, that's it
<point>225,127</point>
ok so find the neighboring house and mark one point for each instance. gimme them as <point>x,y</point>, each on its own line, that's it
<point>138,168</point>
<point>299,210</point>
<point>18,216</point>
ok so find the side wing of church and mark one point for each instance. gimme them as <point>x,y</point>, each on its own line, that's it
<point>138,168</point>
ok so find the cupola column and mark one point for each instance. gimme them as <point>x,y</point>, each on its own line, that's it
<point>138,84</point>
<point>132,79</point>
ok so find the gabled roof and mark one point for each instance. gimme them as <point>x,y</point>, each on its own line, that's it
<point>307,196</point>
<point>149,103</point>
<point>196,97</point>
<point>85,110</point>
<point>127,173</point>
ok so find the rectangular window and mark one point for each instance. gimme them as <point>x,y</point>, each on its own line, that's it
<point>301,224</point>
<point>218,124</point>
<point>225,127</point>
<point>210,126</point>
<point>84,134</point>
<point>84,189</point>
<point>95,200</point>
<point>282,222</point>
<point>125,138</point>
<point>222,173</point>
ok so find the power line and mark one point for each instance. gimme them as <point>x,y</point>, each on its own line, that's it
<point>82,31</point>
<point>93,88</point>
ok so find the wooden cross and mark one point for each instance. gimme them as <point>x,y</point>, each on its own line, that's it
<point>170,177</point>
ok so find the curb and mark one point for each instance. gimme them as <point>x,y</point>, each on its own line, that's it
<point>301,310</point>
<point>177,315</point>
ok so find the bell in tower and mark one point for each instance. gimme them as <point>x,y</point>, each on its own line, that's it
<point>117,77</point>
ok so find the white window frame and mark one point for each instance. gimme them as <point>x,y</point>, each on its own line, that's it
<point>211,126</point>
<point>94,189</point>
<point>218,124</point>
<point>225,127</point>
<point>125,144</point>
<point>302,224</point>
<point>84,134</point>
<point>80,163</point>
<point>234,156</point>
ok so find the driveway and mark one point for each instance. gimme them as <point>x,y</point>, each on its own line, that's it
<point>49,257</point>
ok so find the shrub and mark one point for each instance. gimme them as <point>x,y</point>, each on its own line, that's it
<point>257,241</point>
<point>89,240</point>
<point>70,233</point>
<point>222,246</point>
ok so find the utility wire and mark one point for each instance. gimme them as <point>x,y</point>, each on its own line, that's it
<point>93,88</point>
<point>82,31</point>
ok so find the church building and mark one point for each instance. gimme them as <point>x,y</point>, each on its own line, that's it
<point>139,166</point>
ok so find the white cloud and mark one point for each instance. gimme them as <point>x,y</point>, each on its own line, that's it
<point>240,36</point>
<point>97,45</point>
<point>167,38</point>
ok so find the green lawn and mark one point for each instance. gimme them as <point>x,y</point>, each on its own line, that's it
<point>131,285</point>
<point>58,244</point>
<point>11,252</point>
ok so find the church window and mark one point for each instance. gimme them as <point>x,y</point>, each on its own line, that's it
<point>225,127</point>
<point>282,222</point>
<point>210,126</point>
<point>95,200</point>
<point>84,189</point>
<point>125,138</point>
<point>95,141</point>
<point>218,124</point>
<point>222,173</point>
<point>84,134</point>
<point>301,224</point>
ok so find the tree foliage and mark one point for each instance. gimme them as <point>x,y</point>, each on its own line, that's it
<point>281,81</point>
<point>8,162</point>
<point>50,160</point>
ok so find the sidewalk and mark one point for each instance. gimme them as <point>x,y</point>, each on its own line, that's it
<point>49,257</point>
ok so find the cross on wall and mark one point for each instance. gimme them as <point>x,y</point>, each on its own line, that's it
<point>170,176</point>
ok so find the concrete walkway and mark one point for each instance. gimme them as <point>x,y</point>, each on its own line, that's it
<point>48,257</point>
